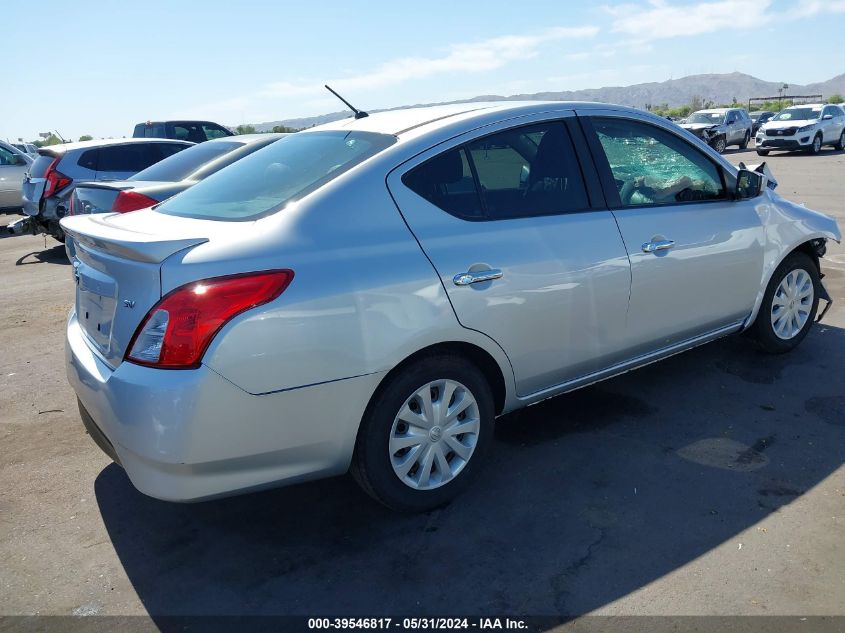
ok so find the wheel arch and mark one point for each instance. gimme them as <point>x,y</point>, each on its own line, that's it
<point>813,246</point>
<point>478,356</point>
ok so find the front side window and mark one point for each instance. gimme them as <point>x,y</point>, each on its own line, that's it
<point>284,171</point>
<point>7,158</point>
<point>524,172</point>
<point>652,166</point>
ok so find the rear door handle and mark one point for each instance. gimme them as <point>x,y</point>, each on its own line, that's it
<point>476,276</point>
<point>659,245</point>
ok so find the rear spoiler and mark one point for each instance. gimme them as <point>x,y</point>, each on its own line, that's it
<point>95,231</point>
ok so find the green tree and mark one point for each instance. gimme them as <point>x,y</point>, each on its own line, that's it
<point>86,137</point>
<point>245,129</point>
<point>837,98</point>
<point>283,129</point>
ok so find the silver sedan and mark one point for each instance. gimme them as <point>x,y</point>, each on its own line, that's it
<point>369,295</point>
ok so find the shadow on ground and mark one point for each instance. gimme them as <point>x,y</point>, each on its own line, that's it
<point>54,255</point>
<point>586,498</point>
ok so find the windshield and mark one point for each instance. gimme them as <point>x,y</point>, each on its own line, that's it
<point>182,164</point>
<point>798,114</point>
<point>713,118</point>
<point>283,171</point>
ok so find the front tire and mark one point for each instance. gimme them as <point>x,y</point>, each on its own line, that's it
<point>424,436</point>
<point>762,152</point>
<point>789,305</point>
<point>816,145</point>
<point>719,144</point>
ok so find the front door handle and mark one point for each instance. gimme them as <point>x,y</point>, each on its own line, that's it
<point>476,276</point>
<point>658,245</point>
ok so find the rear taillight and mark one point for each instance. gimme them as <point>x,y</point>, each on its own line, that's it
<point>178,329</point>
<point>131,201</point>
<point>56,180</point>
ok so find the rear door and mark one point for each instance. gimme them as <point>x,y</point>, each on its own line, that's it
<point>696,254</point>
<point>515,227</point>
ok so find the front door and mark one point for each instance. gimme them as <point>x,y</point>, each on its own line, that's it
<point>696,254</point>
<point>523,254</point>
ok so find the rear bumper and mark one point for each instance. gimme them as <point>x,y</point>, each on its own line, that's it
<point>193,435</point>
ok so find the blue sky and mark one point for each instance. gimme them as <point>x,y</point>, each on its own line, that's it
<point>99,68</point>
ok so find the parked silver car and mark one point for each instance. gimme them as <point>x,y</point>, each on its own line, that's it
<point>721,127</point>
<point>168,177</point>
<point>13,166</point>
<point>370,294</point>
<point>52,177</point>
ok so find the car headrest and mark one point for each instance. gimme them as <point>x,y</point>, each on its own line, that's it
<point>446,168</point>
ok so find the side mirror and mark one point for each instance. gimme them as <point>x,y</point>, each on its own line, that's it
<point>749,184</point>
<point>827,117</point>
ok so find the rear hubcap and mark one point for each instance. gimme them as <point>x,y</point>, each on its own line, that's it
<point>792,303</point>
<point>434,434</point>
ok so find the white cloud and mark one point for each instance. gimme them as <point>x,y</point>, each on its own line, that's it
<point>661,20</point>
<point>474,57</point>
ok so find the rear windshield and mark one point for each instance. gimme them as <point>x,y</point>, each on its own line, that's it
<point>286,170</point>
<point>40,165</point>
<point>184,163</point>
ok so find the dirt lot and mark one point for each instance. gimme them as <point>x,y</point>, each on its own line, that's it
<point>710,483</point>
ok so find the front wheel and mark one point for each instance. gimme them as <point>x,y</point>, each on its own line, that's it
<point>816,146</point>
<point>762,152</point>
<point>425,435</point>
<point>719,144</point>
<point>789,305</point>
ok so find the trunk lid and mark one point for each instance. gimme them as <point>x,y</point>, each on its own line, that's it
<point>117,268</point>
<point>34,181</point>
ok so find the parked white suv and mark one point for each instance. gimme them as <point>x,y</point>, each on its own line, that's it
<point>805,127</point>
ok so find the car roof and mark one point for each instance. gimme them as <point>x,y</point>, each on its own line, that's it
<point>248,139</point>
<point>67,147</point>
<point>426,119</point>
<point>808,105</point>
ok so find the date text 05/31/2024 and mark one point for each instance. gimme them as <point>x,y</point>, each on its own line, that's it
<point>414,624</point>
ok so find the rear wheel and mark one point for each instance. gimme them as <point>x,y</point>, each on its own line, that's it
<point>762,152</point>
<point>745,141</point>
<point>816,145</point>
<point>789,305</point>
<point>425,435</point>
<point>840,144</point>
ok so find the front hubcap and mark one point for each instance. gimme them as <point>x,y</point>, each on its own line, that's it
<point>792,303</point>
<point>434,434</point>
<point>817,144</point>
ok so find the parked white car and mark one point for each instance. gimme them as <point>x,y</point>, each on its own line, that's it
<point>805,127</point>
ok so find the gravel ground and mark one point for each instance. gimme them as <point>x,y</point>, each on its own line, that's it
<point>711,483</point>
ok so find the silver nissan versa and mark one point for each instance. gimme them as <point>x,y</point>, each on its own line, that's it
<point>369,295</point>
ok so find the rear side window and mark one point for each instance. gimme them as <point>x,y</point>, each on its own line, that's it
<point>183,164</point>
<point>127,158</point>
<point>88,160</point>
<point>214,131</point>
<point>284,171</point>
<point>446,181</point>
<point>186,131</point>
<point>524,172</point>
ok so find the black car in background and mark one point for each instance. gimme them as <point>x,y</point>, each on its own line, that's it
<point>193,131</point>
<point>758,119</point>
<point>168,177</point>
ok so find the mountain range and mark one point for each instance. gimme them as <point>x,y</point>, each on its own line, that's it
<point>719,88</point>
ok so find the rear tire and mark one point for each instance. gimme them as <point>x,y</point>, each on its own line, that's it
<point>785,316</point>
<point>424,463</point>
<point>745,141</point>
<point>762,152</point>
<point>840,144</point>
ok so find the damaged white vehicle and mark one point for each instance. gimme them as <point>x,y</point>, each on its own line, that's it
<point>369,295</point>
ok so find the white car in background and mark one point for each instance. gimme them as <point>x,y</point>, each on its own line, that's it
<point>805,127</point>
